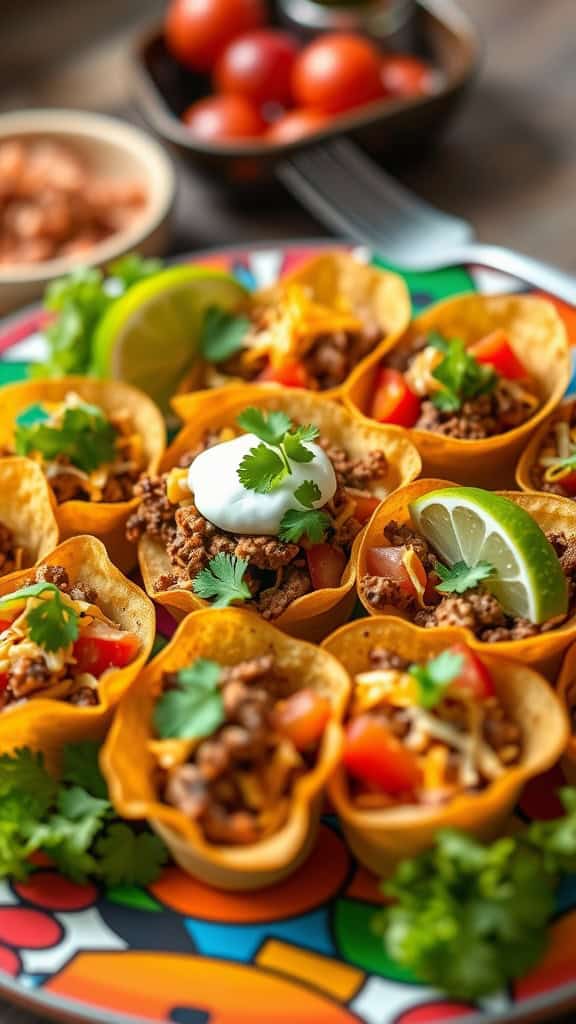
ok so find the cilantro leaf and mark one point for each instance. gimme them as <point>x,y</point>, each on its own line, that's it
<point>129,858</point>
<point>293,443</point>
<point>435,676</point>
<point>269,427</point>
<point>84,435</point>
<point>53,624</point>
<point>297,523</point>
<point>194,708</point>
<point>308,493</point>
<point>261,469</point>
<point>223,578</point>
<point>222,334</point>
<point>79,300</point>
<point>436,340</point>
<point>462,577</point>
<point>462,377</point>
<point>81,768</point>
<point>132,268</point>
<point>23,772</point>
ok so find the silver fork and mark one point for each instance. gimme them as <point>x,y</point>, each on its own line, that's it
<point>348,192</point>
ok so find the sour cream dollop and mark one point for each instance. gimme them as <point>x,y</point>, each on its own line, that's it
<point>222,499</point>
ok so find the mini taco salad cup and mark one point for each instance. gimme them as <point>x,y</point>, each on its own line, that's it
<point>567,693</point>
<point>227,637</point>
<point>543,651</point>
<point>28,524</point>
<point>103,519</point>
<point>554,441</point>
<point>316,613</point>
<point>47,724</point>
<point>535,332</point>
<point>382,837</point>
<point>334,293</point>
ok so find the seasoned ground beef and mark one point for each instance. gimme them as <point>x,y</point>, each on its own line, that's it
<point>155,514</point>
<point>381,592</point>
<point>401,535</point>
<point>382,658</point>
<point>356,473</point>
<point>57,575</point>
<point>478,418</point>
<point>7,550</point>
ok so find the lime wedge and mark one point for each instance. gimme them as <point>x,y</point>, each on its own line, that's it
<point>150,336</point>
<point>467,524</point>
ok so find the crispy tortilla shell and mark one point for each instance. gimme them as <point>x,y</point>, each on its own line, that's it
<point>315,614</point>
<point>566,683</point>
<point>543,652</point>
<point>537,335</point>
<point>536,443</point>
<point>45,724</point>
<point>27,507</point>
<point>380,838</point>
<point>105,520</point>
<point>228,636</point>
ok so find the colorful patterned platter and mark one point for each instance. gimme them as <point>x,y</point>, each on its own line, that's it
<point>298,953</point>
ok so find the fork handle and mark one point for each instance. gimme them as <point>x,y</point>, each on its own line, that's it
<point>541,275</point>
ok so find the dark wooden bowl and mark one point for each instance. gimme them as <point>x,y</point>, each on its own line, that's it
<point>443,35</point>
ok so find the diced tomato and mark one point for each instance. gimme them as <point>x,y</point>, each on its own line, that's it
<point>3,681</point>
<point>291,375</point>
<point>302,717</point>
<point>326,565</point>
<point>376,757</point>
<point>5,624</point>
<point>393,401</point>
<point>100,647</point>
<point>387,562</point>
<point>365,506</point>
<point>495,350</point>
<point>568,482</point>
<point>474,678</point>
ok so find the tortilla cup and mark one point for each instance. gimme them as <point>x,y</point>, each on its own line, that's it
<point>228,636</point>
<point>380,838</point>
<point>538,336</point>
<point>532,450</point>
<point>105,520</point>
<point>543,652</point>
<point>45,724</point>
<point>314,615</point>
<point>27,507</point>
<point>567,683</point>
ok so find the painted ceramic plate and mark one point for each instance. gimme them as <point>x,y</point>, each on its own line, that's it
<point>300,953</point>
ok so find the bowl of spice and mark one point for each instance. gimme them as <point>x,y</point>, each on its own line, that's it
<point>76,188</point>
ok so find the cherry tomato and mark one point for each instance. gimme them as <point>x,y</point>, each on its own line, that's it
<point>302,717</point>
<point>376,757</point>
<point>474,678</point>
<point>325,565</point>
<point>387,562</point>
<point>364,508</point>
<point>100,647</point>
<point>393,400</point>
<point>295,125</point>
<point>568,482</point>
<point>337,72</point>
<point>197,31</point>
<point>404,76</point>
<point>291,375</point>
<point>258,65</point>
<point>495,350</point>
<point>221,118</point>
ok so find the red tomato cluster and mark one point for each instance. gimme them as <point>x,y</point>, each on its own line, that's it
<point>269,87</point>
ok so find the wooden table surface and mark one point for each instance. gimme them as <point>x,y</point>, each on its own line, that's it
<point>508,163</point>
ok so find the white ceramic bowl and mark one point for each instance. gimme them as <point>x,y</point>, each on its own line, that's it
<point>109,147</point>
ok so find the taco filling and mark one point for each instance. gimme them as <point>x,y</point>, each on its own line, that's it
<point>262,516</point>
<point>56,643</point>
<point>555,467</point>
<point>470,393</point>
<point>86,454</point>
<point>426,733</point>
<point>11,555</point>
<point>231,742</point>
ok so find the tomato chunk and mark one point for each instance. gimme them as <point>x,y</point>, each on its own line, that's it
<point>100,647</point>
<point>365,506</point>
<point>302,717</point>
<point>325,565</point>
<point>373,755</point>
<point>495,350</point>
<point>5,624</point>
<point>474,679</point>
<point>568,482</point>
<point>393,401</point>
<point>3,682</point>
<point>291,375</point>
<point>387,562</point>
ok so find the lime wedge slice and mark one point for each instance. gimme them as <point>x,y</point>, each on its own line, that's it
<point>150,336</point>
<point>467,524</point>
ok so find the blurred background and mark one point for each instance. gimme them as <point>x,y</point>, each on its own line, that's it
<point>507,162</point>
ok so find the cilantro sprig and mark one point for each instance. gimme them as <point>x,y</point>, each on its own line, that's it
<point>52,624</point>
<point>461,375</point>
<point>71,820</point>
<point>268,464</point>
<point>223,579</point>
<point>222,334</point>
<point>461,577</point>
<point>307,521</point>
<point>469,918</point>
<point>193,707</point>
<point>85,436</point>
<point>435,676</point>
